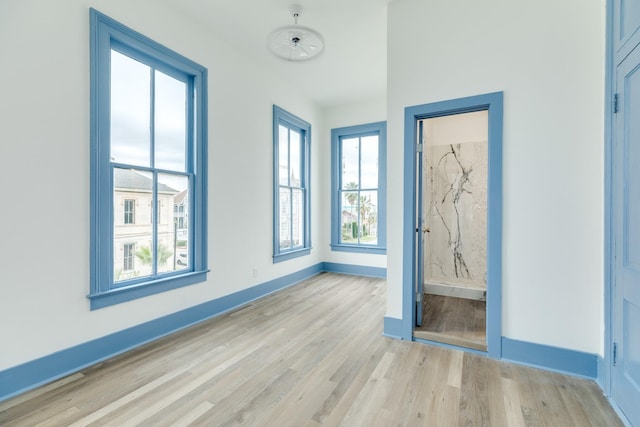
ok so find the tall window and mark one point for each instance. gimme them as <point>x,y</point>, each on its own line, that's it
<point>148,137</point>
<point>129,211</point>
<point>291,141</point>
<point>358,219</point>
<point>128,250</point>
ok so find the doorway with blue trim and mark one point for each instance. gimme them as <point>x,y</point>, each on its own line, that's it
<point>454,233</point>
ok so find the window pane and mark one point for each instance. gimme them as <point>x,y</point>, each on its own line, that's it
<point>285,218</point>
<point>369,217</point>
<point>128,250</point>
<point>297,219</point>
<point>129,211</point>
<point>295,172</point>
<point>170,122</point>
<point>350,148</point>
<point>283,155</point>
<point>349,217</point>
<point>130,110</point>
<point>173,236</point>
<point>369,162</point>
<point>133,201</point>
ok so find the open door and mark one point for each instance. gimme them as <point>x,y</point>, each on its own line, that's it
<point>419,274</point>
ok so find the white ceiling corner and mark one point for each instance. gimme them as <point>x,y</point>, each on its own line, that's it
<point>352,68</point>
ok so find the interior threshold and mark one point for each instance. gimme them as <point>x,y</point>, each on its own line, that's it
<point>450,339</point>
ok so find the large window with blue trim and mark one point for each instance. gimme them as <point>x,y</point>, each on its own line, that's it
<point>291,148</point>
<point>148,166</point>
<point>358,182</point>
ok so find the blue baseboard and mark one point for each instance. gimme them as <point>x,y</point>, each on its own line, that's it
<point>358,270</point>
<point>392,327</point>
<point>600,380</point>
<point>21,378</point>
<point>550,358</point>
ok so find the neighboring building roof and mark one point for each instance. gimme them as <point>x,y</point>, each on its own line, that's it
<point>180,197</point>
<point>129,178</point>
<point>346,213</point>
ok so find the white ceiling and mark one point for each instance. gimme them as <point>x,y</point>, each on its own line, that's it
<point>352,68</point>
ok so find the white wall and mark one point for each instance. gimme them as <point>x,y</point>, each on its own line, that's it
<point>548,58</point>
<point>44,171</point>
<point>360,113</point>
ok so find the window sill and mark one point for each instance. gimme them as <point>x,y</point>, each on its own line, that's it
<point>291,254</point>
<point>377,250</point>
<point>128,293</point>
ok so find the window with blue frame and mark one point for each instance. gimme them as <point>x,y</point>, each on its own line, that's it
<point>148,154</point>
<point>358,182</point>
<point>129,211</point>
<point>291,158</point>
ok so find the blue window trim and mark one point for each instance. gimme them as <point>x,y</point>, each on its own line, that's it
<point>283,117</point>
<point>106,34</point>
<point>377,128</point>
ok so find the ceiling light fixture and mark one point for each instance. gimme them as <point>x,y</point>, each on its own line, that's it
<point>295,42</point>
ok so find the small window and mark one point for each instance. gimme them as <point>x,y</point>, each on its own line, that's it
<point>148,138</point>
<point>358,188</point>
<point>291,147</point>
<point>128,250</point>
<point>129,211</point>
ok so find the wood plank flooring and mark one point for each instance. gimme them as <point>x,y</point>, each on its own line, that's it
<point>310,355</point>
<point>456,321</point>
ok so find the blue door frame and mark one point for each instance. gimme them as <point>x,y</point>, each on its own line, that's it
<point>493,103</point>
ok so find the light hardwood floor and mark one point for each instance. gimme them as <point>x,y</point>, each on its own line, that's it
<point>310,355</point>
<point>451,320</point>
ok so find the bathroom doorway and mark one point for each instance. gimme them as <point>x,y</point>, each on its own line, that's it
<point>413,246</point>
<point>452,180</point>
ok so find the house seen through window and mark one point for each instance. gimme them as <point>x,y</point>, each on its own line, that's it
<point>291,185</point>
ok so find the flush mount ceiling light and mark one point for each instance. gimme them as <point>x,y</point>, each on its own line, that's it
<point>295,42</point>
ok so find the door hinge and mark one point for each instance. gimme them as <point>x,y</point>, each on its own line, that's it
<point>615,103</point>
<point>418,297</point>
<point>615,353</point>
<point>418,148</point>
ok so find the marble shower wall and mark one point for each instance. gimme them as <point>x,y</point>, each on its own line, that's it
<point>455,213</point>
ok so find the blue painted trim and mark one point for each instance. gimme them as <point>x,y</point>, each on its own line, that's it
<point>408,224</point>
<point>374,250</point>
<point>550,358</point>
<point>377,128</point>
<point>283,117</point>
<point>357,270</point>
<point>284,256</point>
<point>600,379</point>
<point>21,378</point>
<point>618,411</point>
<point>120,295</point>
<point>392,327</point>
<point>493,102</point>
<point>605,375</point>
<point>106,34</point>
